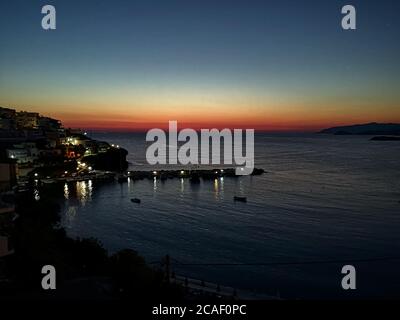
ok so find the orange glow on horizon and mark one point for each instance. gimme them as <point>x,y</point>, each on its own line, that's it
<point>126,126</point>
<point>278,120</point>
<point>298,116</point>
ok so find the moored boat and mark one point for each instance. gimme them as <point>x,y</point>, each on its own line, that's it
<point>240,199</point>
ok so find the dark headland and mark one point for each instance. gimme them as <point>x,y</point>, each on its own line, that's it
<point>385,138</point>
<point>391,129</point>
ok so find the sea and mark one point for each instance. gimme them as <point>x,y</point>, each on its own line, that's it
<point>323,202</point>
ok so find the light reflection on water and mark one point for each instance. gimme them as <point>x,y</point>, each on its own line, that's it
<point>84,191</point>
<point>182,186</point>
<point>36,192</point>
<point>76,196</point>
<point>219,188</point>
<point>323,198</point>
<point>155,181</point>
<point>216,191</point>
<point>66,191</point>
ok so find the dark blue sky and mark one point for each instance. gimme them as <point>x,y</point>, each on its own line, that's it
<point>266,54</point>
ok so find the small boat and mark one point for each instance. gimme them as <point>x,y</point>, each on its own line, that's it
<point>135,200</point>
<point>240,199</point>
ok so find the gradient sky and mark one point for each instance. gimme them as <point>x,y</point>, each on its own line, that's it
<point>271,65</point>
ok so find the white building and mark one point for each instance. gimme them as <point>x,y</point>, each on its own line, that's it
<point>23,153</point>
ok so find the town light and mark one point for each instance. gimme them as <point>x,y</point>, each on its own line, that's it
<point>36,174</point>
<point>90,168</point>
<point>154,172</point>
<point>182,172</point>
<point>65,172</point>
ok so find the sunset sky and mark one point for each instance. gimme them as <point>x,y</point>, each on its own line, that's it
<point>270,65</point>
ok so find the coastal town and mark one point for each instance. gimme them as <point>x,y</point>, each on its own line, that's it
<point>41,146</point>
<point>36,149</point>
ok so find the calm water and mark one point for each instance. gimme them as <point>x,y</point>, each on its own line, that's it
<point>323,198</point>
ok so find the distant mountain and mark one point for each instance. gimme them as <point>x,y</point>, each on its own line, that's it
<point>365,129</point>
<point>384,138</point>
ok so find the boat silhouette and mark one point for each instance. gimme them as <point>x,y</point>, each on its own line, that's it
<point>240,199</point>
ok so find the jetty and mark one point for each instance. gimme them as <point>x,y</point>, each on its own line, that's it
<point>193,174</point>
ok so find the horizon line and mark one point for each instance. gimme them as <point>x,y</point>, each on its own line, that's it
<point>145,127</point>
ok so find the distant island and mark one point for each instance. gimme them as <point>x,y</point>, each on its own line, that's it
<point>385,138</point>
<point>365,129</point>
